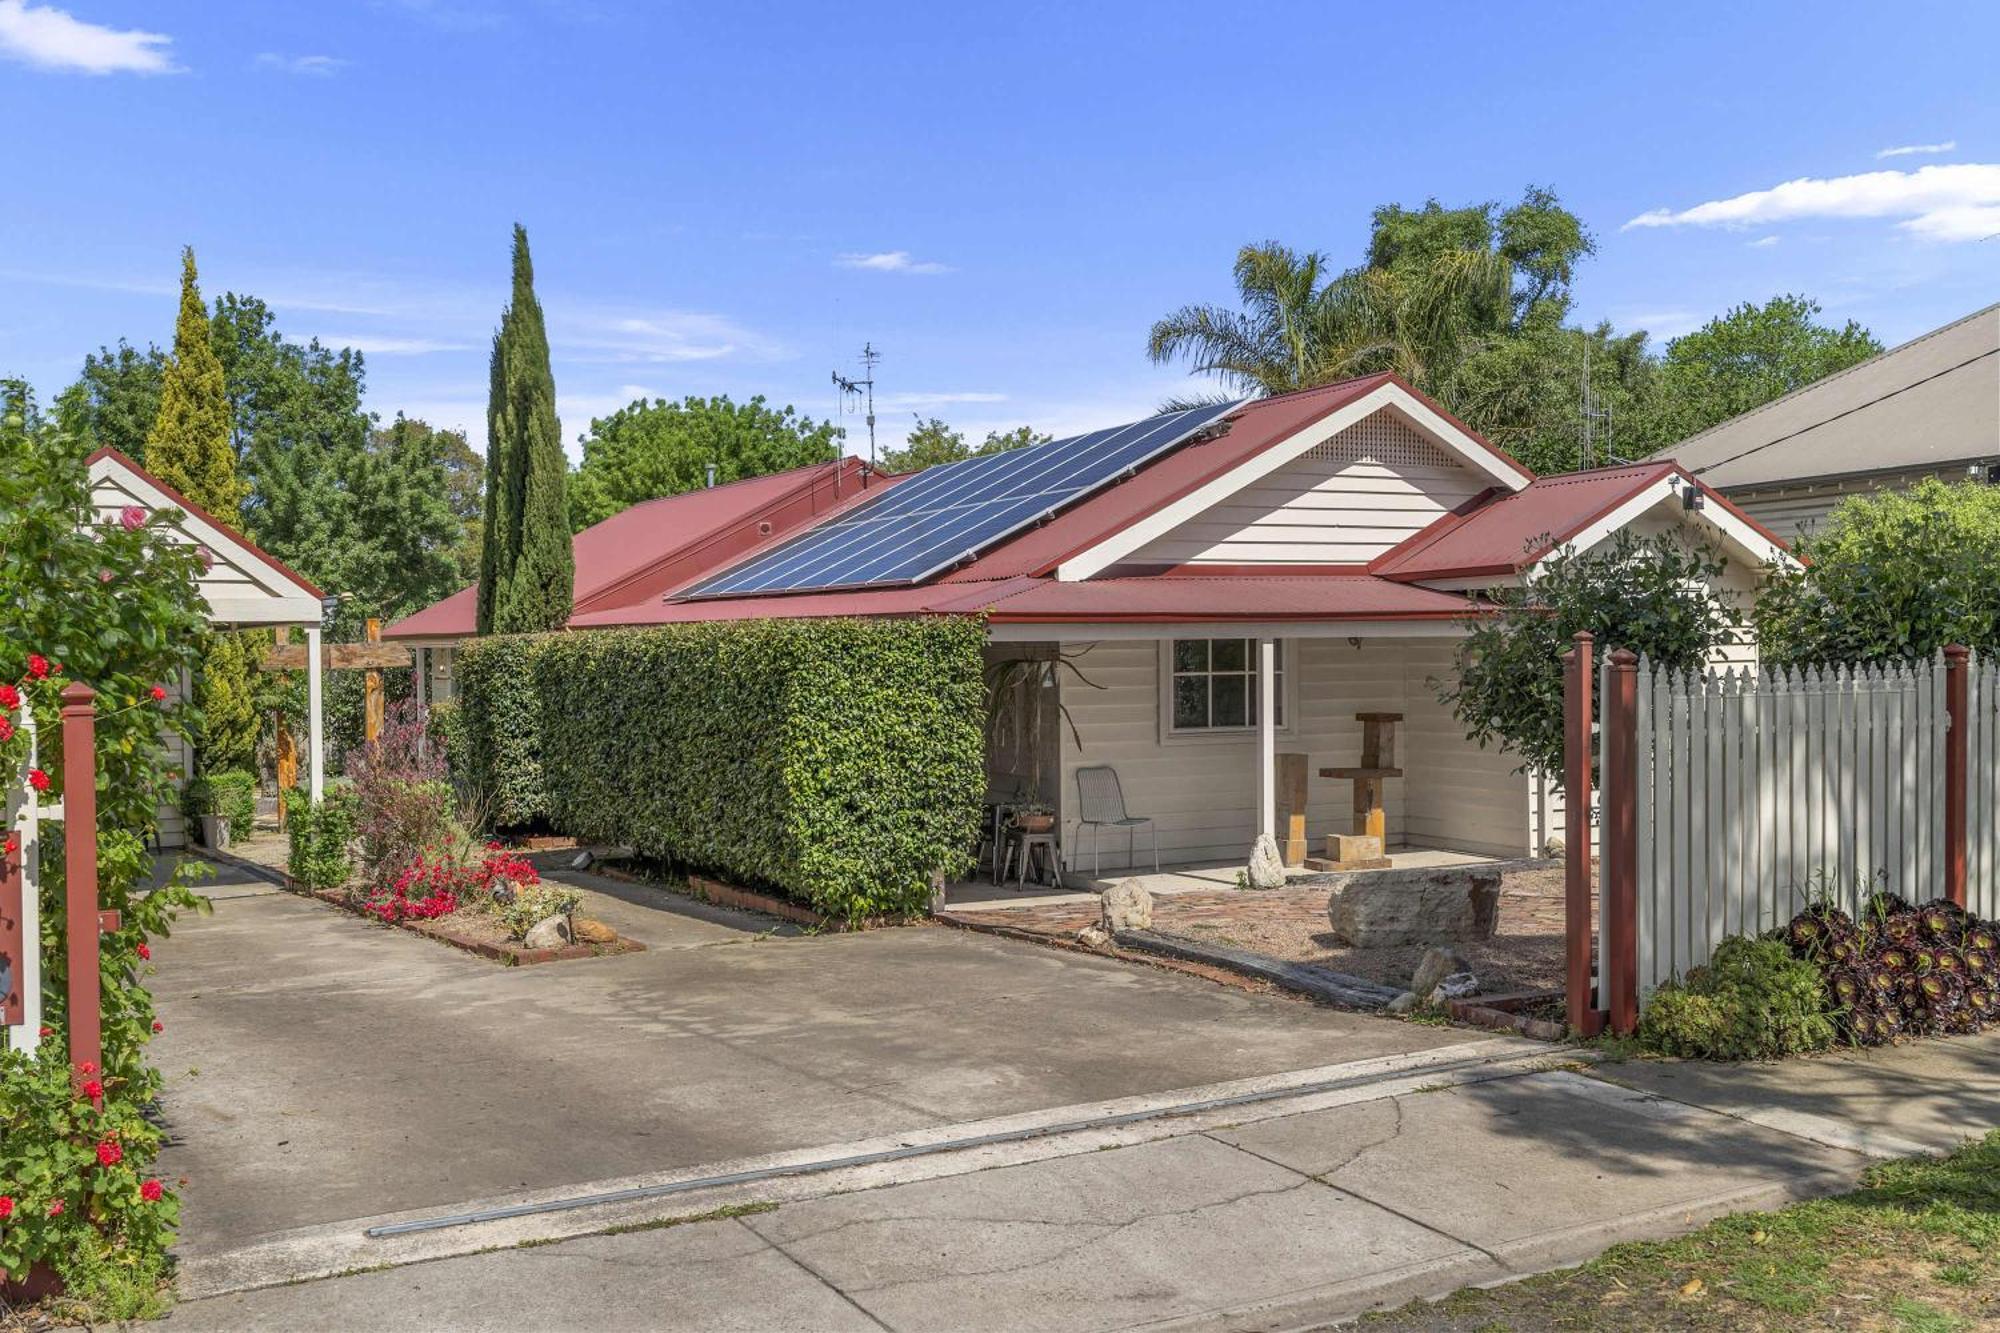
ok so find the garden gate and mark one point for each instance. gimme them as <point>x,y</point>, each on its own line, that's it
<point>1732,798</point>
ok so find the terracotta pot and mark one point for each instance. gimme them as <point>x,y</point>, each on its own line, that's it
<point>1034,823</point>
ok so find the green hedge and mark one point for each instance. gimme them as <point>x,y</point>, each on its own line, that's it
<point>498,715</point>
<point>840,762</point>
<point>230,794</point>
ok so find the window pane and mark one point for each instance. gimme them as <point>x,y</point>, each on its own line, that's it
<point>1231,654</point>
<point>1190,702</point>
<point>1232,701</point>
<point>1190,654</point>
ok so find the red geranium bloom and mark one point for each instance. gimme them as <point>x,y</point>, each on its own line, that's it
<point>38,779</point>
<point>159,693</point>
<point>145,950</point>
<point>158,1026</point>
<point>87,1067</point>
<point>109,1153</point>
<point>9,696</point>
<point>93,1090</point>
<point>55,1209</point>
<point>6,730</point>
<point>38,666</point>
<point>6,1206</point>
<point>46,1031</point>
<point>151,1191</point>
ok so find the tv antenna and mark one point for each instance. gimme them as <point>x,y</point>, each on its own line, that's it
<point>1593,416</point>
<point>861,390</point>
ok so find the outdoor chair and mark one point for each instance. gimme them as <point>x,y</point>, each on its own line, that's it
<point>1101,805</point>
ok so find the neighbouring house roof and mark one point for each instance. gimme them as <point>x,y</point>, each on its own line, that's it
<point>1931,402</point>
<point>244,585</point>
<point>658,546</point>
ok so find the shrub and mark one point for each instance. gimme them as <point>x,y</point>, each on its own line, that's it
<point>321,838</point>
<point>840,762</point>
<point>1902,970</point>
<point>1753,1001</point>
<point>446,726</point>
<point>526,904</point>
<point>499,711</point>
<point>230,794</point>
<point>402,801</point>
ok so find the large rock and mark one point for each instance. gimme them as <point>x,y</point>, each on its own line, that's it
<point>1127,906</point>
<point>1436,964</point>
<point>551,932</point>
<point>589,930</point>
<point>1267,868</point>
<point>1432,905</point>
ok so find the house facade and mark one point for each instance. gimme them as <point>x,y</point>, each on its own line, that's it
<point>1929,408</point>
<point>1243,593</point>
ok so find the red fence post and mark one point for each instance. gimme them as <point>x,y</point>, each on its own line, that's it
<point>1585,1019</point>
<point>79,739</point>
<point>1620,839</point>
<point>1956,774</point>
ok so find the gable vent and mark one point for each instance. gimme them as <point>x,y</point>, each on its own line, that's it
<point>1382,438</point>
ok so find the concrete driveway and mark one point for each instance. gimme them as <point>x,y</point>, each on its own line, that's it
<point>320,1068</point>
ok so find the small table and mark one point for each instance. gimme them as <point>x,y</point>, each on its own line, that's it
<point>1028,844</point>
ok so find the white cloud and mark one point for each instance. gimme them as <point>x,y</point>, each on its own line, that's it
<point>646,337</point>
<point>1960,202</point>
<point>1763,242</point>
<point>371,344</point>
<point>315,66</point>
<point>891,261</point>
<point>938,399</point>
<point>49,37</point>
<point>1917,149</point>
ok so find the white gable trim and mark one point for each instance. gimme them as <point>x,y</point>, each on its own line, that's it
<point>1389,396</point>
<point>1752,545</point>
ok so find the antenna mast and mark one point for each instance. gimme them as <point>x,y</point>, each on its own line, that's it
<point>1591,413</point>
<point>863,388</point>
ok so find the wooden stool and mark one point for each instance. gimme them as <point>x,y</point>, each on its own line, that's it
<point>1362,849</point>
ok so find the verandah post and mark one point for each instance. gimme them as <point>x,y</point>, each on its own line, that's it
<point>1956,773</point>
<point>79,740</point>
<point>1584,1017</point>
<point>1620,839</point>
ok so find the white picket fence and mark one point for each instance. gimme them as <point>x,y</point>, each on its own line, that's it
<point>25,812</point>
<point>1759,790</point>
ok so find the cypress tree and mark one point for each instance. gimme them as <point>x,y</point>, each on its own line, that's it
<point>527,574</point>
<point>189,446</point>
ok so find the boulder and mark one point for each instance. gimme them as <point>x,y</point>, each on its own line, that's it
<point>1436,964</point>
<point>589,930</point>
<point>1429,905</point>
<point>581,861</point>
<point>1402,1004</point>
<point>1267,868</point>
<point>551,932</point>
<point>1127,906</point>
<point>1093,937</point>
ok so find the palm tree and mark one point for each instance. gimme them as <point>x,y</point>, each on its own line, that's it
<point>1302,325</point>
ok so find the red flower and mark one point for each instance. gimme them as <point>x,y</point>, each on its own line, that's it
<point>132,517</point>
<point>151,1191</point>
<point>6,1206</point>
<point>159,693</point>
<point>145,950</point>
<point>493,846</point>
<point>109,1153</point>
<point>6,729</point>
<point>46,1031</point>
<point>38,779</point>
<point>87,1067</point>
<point>55,1208</point>
<point>158,1026</point>
<point>93,1090</point>
<point>9,696</point>
<point>12,845</point>
<point>38,666</point>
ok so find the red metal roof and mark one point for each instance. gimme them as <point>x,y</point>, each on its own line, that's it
<point>1510,532</point>
<point>661,545</point>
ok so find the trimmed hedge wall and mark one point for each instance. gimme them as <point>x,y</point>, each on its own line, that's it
<point>839,762</point>
<point>499,718</point>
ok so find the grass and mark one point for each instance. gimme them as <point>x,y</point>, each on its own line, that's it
<point>1915,1249</point>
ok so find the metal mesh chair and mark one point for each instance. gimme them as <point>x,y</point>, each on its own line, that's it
<point>1101,805</point>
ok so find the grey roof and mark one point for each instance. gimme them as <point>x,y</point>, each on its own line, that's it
<point>1933,401</point>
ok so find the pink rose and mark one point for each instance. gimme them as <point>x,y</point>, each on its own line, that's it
<point>132,517</point>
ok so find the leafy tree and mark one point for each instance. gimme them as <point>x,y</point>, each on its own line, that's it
<point>226,689</point>
<point>1656,596</point>
<point>650,449</point>
<point>933,442</point>
<point>1746,358</point>
<point>527,573</point>
<point>1522,392</point>
<point>465,490</point>
<point>399,549</point>
<point>116,400</point>
<point>189,447</point>
<point>1892,577</point>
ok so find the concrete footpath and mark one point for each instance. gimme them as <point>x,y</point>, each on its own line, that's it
<point>1277,1201</point>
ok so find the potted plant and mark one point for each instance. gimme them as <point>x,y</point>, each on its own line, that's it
<point>1033,817</point>
<point>1019,693</point>
<point>226,805</point>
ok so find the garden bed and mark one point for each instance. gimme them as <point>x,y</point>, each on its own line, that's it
<point>474,932</point>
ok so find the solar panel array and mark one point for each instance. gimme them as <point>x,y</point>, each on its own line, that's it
<point>949,513</point>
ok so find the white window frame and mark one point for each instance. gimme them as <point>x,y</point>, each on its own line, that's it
<point>1288,695</point>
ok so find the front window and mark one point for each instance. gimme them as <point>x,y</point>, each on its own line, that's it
<point>1215,684</point>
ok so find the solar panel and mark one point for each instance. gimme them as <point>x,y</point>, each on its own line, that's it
<point>946,514</point>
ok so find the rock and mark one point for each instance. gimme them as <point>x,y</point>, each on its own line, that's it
<point>1402,1004</point>
<point>1553,848</point>
<point>1093,937</point>
<point>551,932</point>
<point>589,930</point>
<point>581,861</point>
<point>1454,987</point>
<point>1435,966</point>
<point>1127,906</point>
<point>1430,905</point>
<point>1267,868</point>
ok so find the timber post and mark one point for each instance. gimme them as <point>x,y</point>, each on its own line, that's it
<point>1585,1018</point>
<point>1956,772</point>
<point>82,922</point>
<point>371,711</point>
<point>1620,851</point>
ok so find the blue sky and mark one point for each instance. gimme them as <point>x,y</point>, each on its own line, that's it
<point>733,197</point>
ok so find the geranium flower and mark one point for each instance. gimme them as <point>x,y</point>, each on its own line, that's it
<point>38,779</point>
<point>151,1191</point>
<point>87,1067</point>
<point>93,1090</point>
<point>145,950</point>
<point>6,1206</point>
<point>158,1026</point>
<point>55,1208</point>
<point>159,693</point>
<point>132,517</point>
<point>38,666</point>
<point>6,730</point>
<point>109,1153</point>
<point>9,696</point>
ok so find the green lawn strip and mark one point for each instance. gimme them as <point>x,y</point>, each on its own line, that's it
<point>1916,1248</point>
